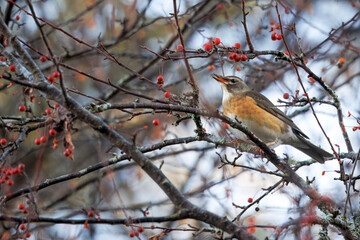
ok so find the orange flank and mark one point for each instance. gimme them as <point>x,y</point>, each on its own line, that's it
<point>258,120</point>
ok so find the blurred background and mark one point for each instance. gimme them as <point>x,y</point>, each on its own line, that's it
<point>327,36</point>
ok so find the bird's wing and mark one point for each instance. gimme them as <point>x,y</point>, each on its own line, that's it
<point>268,106</point>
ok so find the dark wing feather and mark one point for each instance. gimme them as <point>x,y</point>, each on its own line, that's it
<point>268,106</point>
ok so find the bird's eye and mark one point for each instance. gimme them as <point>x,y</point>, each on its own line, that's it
<point>232,80</point>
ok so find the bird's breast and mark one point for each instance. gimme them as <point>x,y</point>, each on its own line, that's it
<point>263,124</point>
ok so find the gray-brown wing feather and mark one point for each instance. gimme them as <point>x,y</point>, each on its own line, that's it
<point>268,106</point>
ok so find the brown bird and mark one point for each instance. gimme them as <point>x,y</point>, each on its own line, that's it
<point>263,118</point>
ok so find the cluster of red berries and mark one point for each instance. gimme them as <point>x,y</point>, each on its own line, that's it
<point>68,151</point>
<point>6,174</point>
<point>22,226</point>
<point>42,139</point>
<point>234,56</point>
<point>160,80</point>
<point>53,76</point>
<point>275,36</point>
<point>136,233</point>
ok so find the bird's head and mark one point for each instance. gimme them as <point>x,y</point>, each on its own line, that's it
<point>231,85</point>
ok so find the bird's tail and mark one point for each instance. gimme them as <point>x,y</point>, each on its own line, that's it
<point>311,150</point>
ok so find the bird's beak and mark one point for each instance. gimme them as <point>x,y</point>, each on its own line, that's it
<point>219,78</point>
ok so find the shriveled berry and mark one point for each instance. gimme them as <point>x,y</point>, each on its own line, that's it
<point>3,141</point>
<point>21,167</point>
<point>22,108</point>
<point>91,213</point>
<point>217,41</point>
<point>155,122</point>
<point>207,47</point>
<point>210,67</point>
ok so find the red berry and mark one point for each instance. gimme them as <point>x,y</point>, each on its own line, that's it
<point>12,68</point>
<point>91,213</point>
<point>1,58</point>
<point>156,122</point>
<point>37,141</point>
<point>22,108</point>
<point>140,229</point>
<point>180,48</point>
<point>69,150</point>
<point>51,79</point>
<point>237,45</point>
<point>52,132</point>
<point>131,234</point>
<point>231,56</point>
<point>287,53</point>
<point>136,233</point>
<point>43,139</point>
<point>56,74</point>
<point>17,17</point>
<point>21,206</point>
<point>22,227</point>
<point>286,96</point>
<point>243,57</point>
<point>10,182</point>
<point>237,58</point>
<point>207,47</point>
<point>66,154</point>
<point>220,6</point>
<point>250,200</point>
<point>273,36</point>
<point>48,111</point>
<point>3,141</point>
<point>43,59</point>
<point>56,105</point>
<point>279,37</point>
<point>217,41</point>
<point>166,94</point>
<point>210,68</point>
<point>160,78</point>
<point>28,234</point>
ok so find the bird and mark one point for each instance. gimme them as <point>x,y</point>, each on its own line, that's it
<point>263,118</point>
